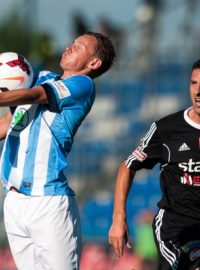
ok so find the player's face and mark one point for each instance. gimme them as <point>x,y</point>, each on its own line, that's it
<point>195,93</point>
<point>77,57</point>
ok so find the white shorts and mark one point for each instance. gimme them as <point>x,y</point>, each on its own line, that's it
<point>43,232</point>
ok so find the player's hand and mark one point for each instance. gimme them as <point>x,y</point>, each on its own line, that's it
<point>119,236</point>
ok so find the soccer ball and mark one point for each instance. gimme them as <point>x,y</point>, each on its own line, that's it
<point>15,71</point>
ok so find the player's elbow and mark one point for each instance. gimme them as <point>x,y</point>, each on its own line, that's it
<point>126,169</point>
<point>38,95</point>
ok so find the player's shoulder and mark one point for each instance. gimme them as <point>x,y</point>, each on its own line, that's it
<point>170,124</point>
<point>171,119</point>
<point>45,76</point>
<point>78,79</point>
<point>80,84</point>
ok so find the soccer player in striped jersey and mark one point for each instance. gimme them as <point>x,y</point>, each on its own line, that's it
<point>174,143</point>
<point>40,211</point>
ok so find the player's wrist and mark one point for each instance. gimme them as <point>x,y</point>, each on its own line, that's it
<point>119,216</point>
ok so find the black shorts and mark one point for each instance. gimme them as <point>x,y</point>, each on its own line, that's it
<point>178,241</point>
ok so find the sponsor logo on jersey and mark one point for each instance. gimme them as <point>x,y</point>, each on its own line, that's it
<point>61,89</point>
<point>190,167</point>
<point>194,254</point>
<point>184,147</point>
<point>190,180</point>
<point>191,246</point>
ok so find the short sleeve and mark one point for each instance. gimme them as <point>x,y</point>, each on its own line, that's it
<point>69,92</point>
<point>148,153</point>
<point>12,109</point>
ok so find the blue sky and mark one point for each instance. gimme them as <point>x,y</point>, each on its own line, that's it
<point>121,14</point>
<point>55,16</point>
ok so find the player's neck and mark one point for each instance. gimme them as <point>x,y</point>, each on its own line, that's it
<point>194,115</point>
<point>68,73</point>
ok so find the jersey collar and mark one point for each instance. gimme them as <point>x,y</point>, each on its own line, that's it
<point>189,121</point>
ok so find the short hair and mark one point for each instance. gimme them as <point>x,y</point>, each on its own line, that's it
<point>105,51</point>
<point>196,65</point>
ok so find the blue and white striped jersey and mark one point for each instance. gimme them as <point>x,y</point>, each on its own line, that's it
<point>40,136</point>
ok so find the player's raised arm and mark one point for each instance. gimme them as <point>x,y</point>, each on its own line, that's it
<point>23,96</point>
<point>118,234</point>
<point>16,80</point>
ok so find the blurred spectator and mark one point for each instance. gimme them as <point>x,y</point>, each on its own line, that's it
<point>6,260</point>
<point>94,257</point>
<point>156,4</point>
<point>108,28</point>
<point>144,241</point>
<point>80,25</point>
<point>99,257</point>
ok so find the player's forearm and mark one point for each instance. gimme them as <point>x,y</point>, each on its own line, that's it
<point>23,96</point>
<point>123,184</point>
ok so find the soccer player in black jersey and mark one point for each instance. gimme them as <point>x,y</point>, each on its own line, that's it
<point>174,143</point>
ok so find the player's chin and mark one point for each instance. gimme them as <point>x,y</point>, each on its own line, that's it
<point>197,110</point>
<point>62,64</point>
<point>196,103</point>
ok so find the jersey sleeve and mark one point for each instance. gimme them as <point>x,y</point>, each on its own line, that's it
<point>12,109</point>
<point>149,151</point>
<point>69,92</point>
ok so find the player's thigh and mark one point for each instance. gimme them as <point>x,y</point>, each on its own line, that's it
<point>175,253</point>
<point>25,252</point>
<point>23,249</point>
<point>58,234</point>
<point>168,253</point>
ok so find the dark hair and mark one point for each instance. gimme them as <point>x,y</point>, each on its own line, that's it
<point>105,51</point>
<point>196,64</point>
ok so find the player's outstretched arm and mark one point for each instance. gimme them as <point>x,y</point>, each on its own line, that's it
<point>23,96</point>
<point>4,124</point>
<point>118,234</point>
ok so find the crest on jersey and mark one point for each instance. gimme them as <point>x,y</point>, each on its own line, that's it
<point>20,120</point>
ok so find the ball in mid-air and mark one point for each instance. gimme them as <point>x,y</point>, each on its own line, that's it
<point>15,71</point>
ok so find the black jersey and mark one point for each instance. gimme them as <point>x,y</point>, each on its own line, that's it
<point>174,142</point>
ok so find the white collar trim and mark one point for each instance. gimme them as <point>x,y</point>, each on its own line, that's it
<point>189,121</point>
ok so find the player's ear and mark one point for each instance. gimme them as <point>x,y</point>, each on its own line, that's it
<point>95,63</point>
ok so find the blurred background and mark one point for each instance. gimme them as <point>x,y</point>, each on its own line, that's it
<point>157,42</point>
